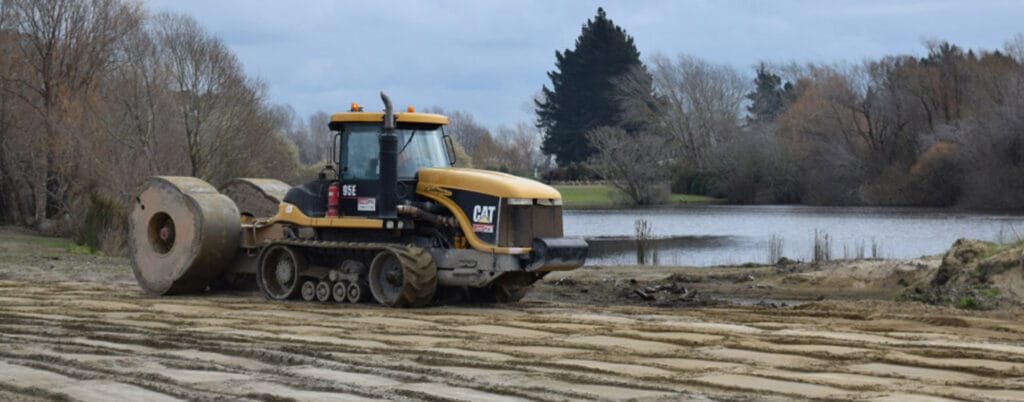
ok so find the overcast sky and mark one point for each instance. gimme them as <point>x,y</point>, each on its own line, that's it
<point>490,58</point>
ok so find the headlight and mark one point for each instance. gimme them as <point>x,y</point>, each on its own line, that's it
<point>520,201</point>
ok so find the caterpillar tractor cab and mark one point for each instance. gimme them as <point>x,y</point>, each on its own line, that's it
<point>393,221</point>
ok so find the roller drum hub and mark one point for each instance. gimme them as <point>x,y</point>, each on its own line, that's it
<point>284,271</point>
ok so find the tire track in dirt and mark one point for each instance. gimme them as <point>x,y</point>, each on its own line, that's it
<point>106,340</point>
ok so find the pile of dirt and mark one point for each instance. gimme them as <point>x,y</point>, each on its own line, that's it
<point>768,285</point>
<point>977,275</point>
<point>672,291</point>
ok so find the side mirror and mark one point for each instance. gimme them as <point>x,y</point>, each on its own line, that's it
<point>336,150</point>
<point>449,146</point>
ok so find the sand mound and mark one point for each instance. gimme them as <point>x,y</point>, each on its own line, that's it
<point>975,274</point>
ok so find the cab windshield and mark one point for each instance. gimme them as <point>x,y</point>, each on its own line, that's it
<point>418,147</point>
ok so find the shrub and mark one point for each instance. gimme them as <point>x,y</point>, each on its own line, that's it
<point>103,227</point>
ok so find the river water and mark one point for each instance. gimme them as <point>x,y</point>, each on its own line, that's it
<point>706,235</point>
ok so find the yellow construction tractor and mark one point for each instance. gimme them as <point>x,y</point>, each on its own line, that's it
<point>394,221</point>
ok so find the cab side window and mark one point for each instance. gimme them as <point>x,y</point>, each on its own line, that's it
<point>361,152</point>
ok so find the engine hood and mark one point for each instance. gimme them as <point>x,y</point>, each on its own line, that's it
<point>483,181</point>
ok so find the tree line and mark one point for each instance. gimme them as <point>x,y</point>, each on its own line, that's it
<point>98,95</point>
<point>944,129</point>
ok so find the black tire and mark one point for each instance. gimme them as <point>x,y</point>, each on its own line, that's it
<point>403,277</point>
<point>279,275</point>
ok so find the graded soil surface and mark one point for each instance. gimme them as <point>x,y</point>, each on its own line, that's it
<point>100,338</point>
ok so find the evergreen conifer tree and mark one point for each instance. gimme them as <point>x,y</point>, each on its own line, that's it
<point>768,99</point>
<point>581,96</point>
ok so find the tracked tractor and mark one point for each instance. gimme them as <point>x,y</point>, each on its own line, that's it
<point>390,220</point>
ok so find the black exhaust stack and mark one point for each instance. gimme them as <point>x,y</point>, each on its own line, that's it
<point>388,163</point>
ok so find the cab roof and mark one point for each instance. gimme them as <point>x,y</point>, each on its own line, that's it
<point>378,117</point>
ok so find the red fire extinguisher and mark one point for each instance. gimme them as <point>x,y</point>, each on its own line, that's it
<point>332,199</point>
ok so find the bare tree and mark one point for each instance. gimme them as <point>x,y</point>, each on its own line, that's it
<point>752,167</point>
<point>990,143</point>
<point>829,165</point>
<point>320,134</point>
<point>464,128</point>
<point>137,96</point>
<point>14,201</point>
<point>63,47</point>
<point>93,100</point>
<point>1015,47</point>
<point>636,164</point>
<point>520,148</point>
<point>265,149</point>
<point>696,103</point>
<point>213,98</point>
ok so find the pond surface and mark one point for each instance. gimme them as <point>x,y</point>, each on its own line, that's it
<point>707,235</point>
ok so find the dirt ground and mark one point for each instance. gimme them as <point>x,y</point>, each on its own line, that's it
<point>75,326</point>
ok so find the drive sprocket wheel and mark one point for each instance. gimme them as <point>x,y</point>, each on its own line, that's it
<point>403,277</point>
<point>280,270</point>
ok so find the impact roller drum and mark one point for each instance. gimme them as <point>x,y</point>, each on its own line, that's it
<point>256,197</point>
<point>183,235</point>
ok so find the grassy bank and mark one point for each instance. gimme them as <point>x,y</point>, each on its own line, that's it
<point>605,196</point>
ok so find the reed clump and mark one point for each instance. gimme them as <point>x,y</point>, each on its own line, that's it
<point>645,252</point>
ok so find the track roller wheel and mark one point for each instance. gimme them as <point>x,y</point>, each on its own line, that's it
<point>403,277</point>
<point>279,272</point>
<point>309,290</point>
<point>340,291</point>
<point>323,291</point>
<point>357,292</point>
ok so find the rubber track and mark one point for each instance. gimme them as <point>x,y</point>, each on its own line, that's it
<point>418,269</point>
